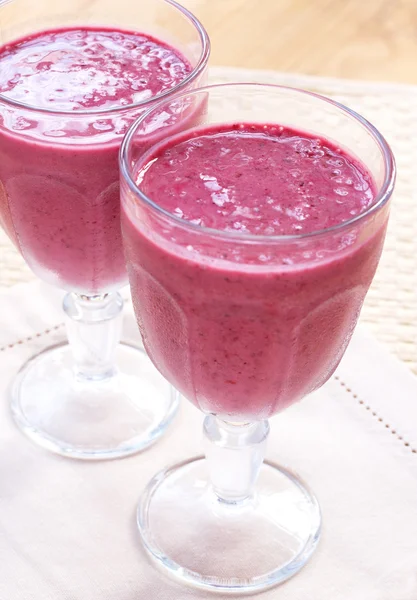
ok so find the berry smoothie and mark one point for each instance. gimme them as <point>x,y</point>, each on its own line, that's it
<point>245,326</point>
<point>59,177</point>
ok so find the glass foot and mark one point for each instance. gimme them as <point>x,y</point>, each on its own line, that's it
<point>89,419</point>
<point>244,547</point>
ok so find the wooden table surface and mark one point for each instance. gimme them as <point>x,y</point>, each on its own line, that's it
<point>358,39</point>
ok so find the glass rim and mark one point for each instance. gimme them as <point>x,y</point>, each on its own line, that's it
<point>382,197</point>
<point>196,71</point>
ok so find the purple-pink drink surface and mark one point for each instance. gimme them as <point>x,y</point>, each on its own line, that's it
<point>59,177</point>
<point>245,327</point>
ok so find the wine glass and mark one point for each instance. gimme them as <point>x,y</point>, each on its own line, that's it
<point>91,398</point>
<point>243,324</point>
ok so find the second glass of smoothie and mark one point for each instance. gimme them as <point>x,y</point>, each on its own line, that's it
<point>252,238</point>
<point>73,77</point>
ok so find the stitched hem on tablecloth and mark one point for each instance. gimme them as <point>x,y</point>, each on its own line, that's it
<point>347,389</point>
<point>374,414</point>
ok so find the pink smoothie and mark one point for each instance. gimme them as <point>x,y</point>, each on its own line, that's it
<point>245,330</point>
<point>59,190</point>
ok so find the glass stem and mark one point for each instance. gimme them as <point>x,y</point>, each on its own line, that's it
<point>94,325</point>
<point>234,452</point>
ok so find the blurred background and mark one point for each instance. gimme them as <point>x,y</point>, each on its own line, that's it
<point>357,39</point>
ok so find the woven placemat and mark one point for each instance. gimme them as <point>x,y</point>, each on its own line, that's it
<point>391,308</point>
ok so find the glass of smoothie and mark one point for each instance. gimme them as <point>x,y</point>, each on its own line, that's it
<point>73,76</point>
<point>251,239</point>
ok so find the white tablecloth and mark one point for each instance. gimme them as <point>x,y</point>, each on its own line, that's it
<point>67,528</point>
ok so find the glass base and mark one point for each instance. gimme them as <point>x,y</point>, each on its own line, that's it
<point>244,547</point>
<point>90,419</point>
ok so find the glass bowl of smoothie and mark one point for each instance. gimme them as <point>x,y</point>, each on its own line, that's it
<point>73,77</point>
<point>251,239</point>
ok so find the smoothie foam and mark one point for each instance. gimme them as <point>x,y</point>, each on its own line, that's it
<point>244,329</point>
